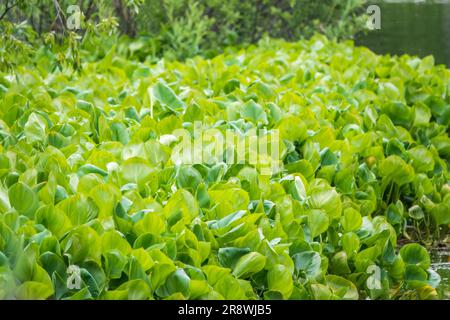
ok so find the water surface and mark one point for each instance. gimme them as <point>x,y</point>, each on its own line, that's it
<point>413,27</point>
<point>440,262</point>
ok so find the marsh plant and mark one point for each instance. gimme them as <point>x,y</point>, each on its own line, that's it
<point>89,177</point>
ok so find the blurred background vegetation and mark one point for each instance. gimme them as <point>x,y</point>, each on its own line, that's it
<point>152,29</point>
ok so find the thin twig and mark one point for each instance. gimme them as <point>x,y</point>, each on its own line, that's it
<point>90,9</point>
<point>58,14</point>
<point>7,8</point>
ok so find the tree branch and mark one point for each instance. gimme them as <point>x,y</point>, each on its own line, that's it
<point>8,7</point>
<point>59,15</point>
<point>89,10</point>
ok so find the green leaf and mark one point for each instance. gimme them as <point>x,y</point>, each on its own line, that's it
<point>350,243</point>
<point>321,292</point>
<point>136,170</point>
<point>416,212</point>
<point>105,197</point>
<point>165,95</point>
<point>414,254</point>
<point>82,243</point>
<point>35,128</point>
<point>351,220</point>
<point>394,168</point>
<point>182,205</point>
<point>228,257</point>
<point>326,199</point>
<point>422,114</point>
<point>307,262</point>
<point>253,112</point>
<point>114,264</point>
<point>230,288</point>
<point>112,240</point>
<point>339,263</point>
<point>262,89</point>
<point>177,282</point>
<point>422,159</point>
<point>23,199</point>
<point>54,220</point>
<point>131,290</point>
<point>441,213</point>
<point>226,221</point>
<point>152,223</point>
<point>249,264</point>
<point>342,288</point>
<point>198,288</point>
<point>415,276</point>
<point>188,178</point>
<point>399,113</point>
<point>78,209</point>
<point>279,278</point>
<point>119,132</point>
<point>231,85</point>
<point>33,290</point>
<point>292,129</point>
<point>229,201</point>
<point>318,222</point>
<point>89,168</point>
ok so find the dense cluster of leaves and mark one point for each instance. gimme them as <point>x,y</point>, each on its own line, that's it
<point>87,179</point>
<point>182,29</point>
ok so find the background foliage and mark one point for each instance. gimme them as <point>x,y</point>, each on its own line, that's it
<point>175,29</point>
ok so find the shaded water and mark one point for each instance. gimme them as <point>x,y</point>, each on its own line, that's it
<point>440,262</point>
<point>414,27</point>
